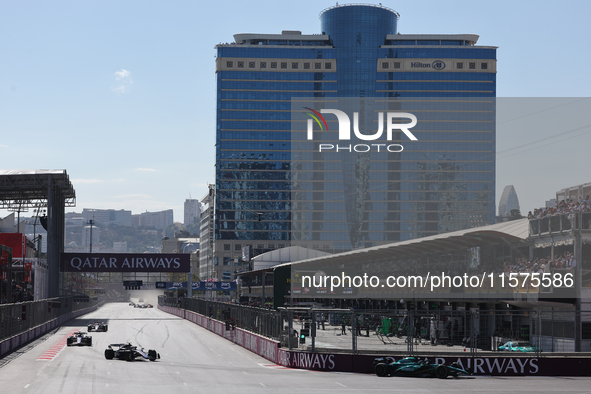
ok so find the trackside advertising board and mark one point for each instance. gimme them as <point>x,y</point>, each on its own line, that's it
<point>124,262</point>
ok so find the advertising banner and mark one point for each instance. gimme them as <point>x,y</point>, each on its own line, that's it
<point>124,262</point>
<point>217,286</point>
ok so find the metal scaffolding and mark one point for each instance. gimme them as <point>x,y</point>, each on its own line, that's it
<point>49,189</point>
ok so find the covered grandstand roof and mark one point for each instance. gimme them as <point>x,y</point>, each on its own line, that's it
<point>516,231</point>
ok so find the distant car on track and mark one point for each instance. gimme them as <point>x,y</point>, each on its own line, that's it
<point>79,338</point>
<point>129,352</point>
<point>98,326</point>
<point>517,346</point>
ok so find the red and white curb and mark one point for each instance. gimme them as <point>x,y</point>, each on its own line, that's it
<point>57,348</point>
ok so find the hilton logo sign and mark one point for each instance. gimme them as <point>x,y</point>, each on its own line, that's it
<point>436,65</point>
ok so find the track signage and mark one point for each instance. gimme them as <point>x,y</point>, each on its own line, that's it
<point>124,262</point>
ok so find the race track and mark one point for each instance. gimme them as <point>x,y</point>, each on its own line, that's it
<point>194,360</point>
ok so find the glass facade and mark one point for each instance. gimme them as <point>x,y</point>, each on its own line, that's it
<point>268,190</point>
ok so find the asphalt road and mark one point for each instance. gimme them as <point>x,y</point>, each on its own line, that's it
<point>194,360</point>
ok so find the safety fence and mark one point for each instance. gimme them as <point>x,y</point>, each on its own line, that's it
<point>472,331</point>
<point>496,364</point>
<point>260,321</point>
<point>409,331</point>
<point>21,317</point>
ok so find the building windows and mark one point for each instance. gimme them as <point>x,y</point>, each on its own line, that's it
<point>283,65</point>
<point>240,64</point>
<point>396,64</point>
<point>273,64</point>
<point>472,65</point>
<point>226,246</point>
<point>328,65</point>
<point>317,66</point>
<point>384,64</point>
<point>294,65</point>
<point>263,64</point>
<point>237,247</point>
<point>251,64</point>
<point>229,64</point>
<point>460,65</point>
<point>484,66</point>
<point>306,66</point>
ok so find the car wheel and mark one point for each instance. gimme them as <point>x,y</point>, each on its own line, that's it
<point>90,341</point>
<point>381,370</point>
<point>441,371</point>
<point>152,355</point>
<point>109,354</point>
<point>106,328</point>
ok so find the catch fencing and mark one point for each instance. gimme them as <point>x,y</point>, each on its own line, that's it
<point>409,332</point>
<point>260,321</point>
<point>21,317</point>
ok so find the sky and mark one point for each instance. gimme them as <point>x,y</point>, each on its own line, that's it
<point>122,94</point>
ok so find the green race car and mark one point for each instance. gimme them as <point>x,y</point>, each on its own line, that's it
<point>412,366</point>
<point>517,346</point>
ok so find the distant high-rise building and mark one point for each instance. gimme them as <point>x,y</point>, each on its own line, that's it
<point>158,220</point>
<point>192,212</point>
<point>509,201</point>
<point>107,216</point>
<point>206,266</point>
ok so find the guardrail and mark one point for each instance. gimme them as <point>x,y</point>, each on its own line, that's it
<point>21,317</point>
<point>560,223</point>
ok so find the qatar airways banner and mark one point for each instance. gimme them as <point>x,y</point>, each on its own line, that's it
<point>124,262</point>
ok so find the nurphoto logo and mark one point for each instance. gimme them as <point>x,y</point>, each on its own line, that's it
<point>392,124</point>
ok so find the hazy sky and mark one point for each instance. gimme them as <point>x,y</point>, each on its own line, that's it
<point>121,94</point>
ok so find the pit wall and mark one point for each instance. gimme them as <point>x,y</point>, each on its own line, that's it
<point>16,341</point>
<point>502,365</point>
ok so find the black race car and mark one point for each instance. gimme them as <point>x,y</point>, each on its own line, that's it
<point>79,339</point>
<point>128,352</point>
<point>413,366</point>
<point>98,326</point>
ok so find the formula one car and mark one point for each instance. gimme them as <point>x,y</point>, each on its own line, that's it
<point>98,326</point>
<point>143,306</point>
<point>412,366</point>
<point>128,352</point>
<point>79,339</point>
<point>517,346</point>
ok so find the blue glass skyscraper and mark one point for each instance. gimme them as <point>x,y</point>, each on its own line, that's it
<point>268,197</point>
